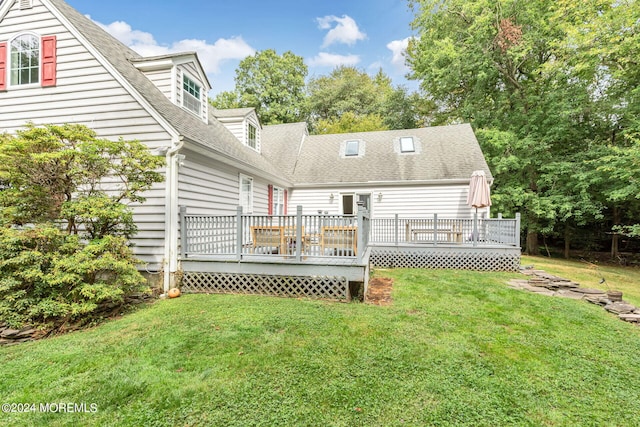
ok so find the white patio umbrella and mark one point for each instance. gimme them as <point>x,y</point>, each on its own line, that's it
<point>479,194</point>
<point>479,197</point>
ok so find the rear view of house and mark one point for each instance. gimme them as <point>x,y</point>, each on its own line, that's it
<point>57,66</point>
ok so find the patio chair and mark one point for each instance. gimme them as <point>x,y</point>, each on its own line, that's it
<point>342,240</point>
<point>268,239</point>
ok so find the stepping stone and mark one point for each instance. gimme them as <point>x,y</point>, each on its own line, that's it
<point>600,300</point>
<point>589,291</point>
<point>569,294</point>
<point>565,284</point>
<point>619,308</point>
<point>630,317</point>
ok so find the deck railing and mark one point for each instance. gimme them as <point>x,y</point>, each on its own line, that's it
<point>299,237</point>
<point>435,230</point>
<point>293,236</point>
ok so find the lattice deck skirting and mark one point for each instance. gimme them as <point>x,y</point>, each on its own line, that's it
<point>325,287</point>
<point>445,258</point>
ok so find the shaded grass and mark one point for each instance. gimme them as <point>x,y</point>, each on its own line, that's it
<point>589,275</point>
<point>456,348</point>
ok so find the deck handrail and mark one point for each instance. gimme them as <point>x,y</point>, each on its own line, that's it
<point>233,236</point>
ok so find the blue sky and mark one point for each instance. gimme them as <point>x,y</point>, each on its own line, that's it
<point>368,34</point>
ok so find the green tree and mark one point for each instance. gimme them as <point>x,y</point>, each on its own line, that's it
<point>272,84</point>
<point>349,90</point>
<point>506,67</point>
<point>66,173</point>
<point>350,122</point>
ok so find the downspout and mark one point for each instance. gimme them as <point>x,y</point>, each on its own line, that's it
<point>171,214</point>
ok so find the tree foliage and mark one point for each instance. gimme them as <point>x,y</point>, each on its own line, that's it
<point>369,103</point>
<point>272,84</point>
<point>66,216</point>
<point>547,85</point>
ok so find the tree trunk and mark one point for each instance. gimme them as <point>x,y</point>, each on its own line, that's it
<point>567,241</point>
<point>615,238</point>
<point>532,243</point>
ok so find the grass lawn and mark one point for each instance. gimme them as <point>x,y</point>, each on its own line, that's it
<point>455,348</point>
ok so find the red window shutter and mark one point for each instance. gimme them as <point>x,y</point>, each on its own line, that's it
<point>285,202</point>
<point>3,66</point>
<point>49,58</point>
<point>270,190</point>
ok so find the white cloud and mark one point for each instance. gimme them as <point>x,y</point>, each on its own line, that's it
<point>399,50</point>
<point>211,55</point>
<point>346,30</point>
<point>324,59</point>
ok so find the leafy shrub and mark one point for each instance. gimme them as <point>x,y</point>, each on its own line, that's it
<point>64,208</point>
<point>48,277</point>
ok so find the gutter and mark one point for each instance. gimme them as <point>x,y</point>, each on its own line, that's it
<point>170,264</point>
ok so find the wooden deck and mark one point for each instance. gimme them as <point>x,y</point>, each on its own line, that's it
<point>320,255</point>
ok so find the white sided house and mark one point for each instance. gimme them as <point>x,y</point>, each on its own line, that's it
<point>57,66</point>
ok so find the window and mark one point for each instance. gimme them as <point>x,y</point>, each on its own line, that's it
<point>351,148</point>
<point>25,60</point>
<point>191,95</point>
<point>246,193</point>
<point>251,136</point>
<point>406,145</point>
<point>278,201</point>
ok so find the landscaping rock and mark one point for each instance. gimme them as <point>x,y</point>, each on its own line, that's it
<point>547,284</point>
<point>590,291</point>
<point>8,333</point>
<point>565,293</point>
<point>630,317</point>
<point>595,299</point>
<point>618,307</point>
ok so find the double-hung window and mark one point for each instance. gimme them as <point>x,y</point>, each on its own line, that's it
<point>252,136</point>
<point>191,96</point>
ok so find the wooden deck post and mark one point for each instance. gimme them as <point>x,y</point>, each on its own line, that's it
<point>239,234</point>
<point>298,233</point>
<point>183,231</point>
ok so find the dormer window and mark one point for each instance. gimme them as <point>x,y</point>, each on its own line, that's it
<point>191,97</point>
<point>351,148</point>
<point>406,145</point>
<point>252,140</point>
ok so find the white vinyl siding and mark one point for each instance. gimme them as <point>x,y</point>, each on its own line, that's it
<point>448,201</point>
<point>88,94</point>
<point>211,187</point>
<point>162,79</point>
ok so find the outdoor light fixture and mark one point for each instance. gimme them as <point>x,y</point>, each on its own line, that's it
<point>380,196</point>
<point>331,197</point>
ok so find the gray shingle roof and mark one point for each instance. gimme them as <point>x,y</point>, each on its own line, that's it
<point>213,135</point>
<point>442,152</point>
<point>232,112</point>
<point>281,144</point>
